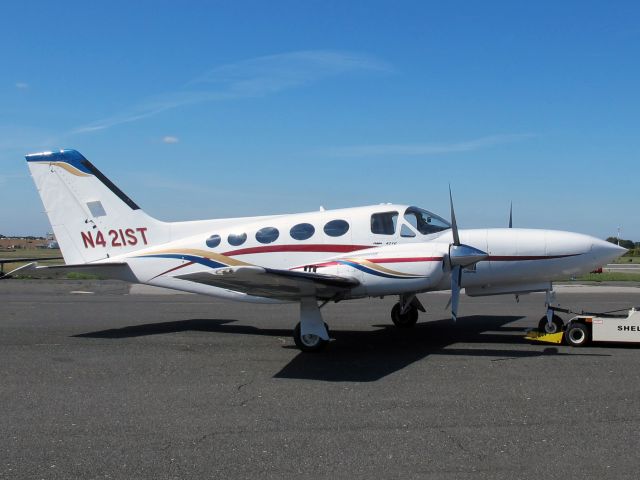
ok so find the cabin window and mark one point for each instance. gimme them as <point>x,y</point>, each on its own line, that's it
<point>267,235</point>
<point>302,231</point>
<point>384,223</point>
<point>336,228</point>
<point>236,239</point>
<point>213,241</point>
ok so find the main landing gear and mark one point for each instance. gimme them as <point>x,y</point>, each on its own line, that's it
<point>404,314</point>
<point>311,333</point>
<point>550,323</point>
<point>309,342</point>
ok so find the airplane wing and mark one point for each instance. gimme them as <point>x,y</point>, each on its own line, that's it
<point>273,283</point>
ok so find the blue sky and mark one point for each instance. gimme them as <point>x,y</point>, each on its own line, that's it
<point>216,109</point>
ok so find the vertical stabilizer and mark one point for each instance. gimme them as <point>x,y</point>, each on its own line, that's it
<point>91,217</point>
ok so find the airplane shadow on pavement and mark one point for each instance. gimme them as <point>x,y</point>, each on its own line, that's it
<point>366,356</point>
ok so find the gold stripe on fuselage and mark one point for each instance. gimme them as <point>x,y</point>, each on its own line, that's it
<point>232,262</point>
<point>375,266</point>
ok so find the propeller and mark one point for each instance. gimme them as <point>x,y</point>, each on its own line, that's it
<point>460,256</point>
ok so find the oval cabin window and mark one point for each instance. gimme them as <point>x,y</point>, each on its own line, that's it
<point>213,241</point>
<point>302,231</point>
<point>267,235</point>
<point>236,239</point>
<point>336,228</point>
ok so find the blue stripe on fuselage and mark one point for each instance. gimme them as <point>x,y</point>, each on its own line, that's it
<point>192,258</point>
<point>364,269</point>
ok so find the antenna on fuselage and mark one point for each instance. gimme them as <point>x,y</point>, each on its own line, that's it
<point>511,215</point>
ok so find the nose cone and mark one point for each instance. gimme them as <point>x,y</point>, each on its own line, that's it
<point>605,251</point>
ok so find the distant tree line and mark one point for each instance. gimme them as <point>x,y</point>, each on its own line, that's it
<point>633,247</point>
<point>29,237</point>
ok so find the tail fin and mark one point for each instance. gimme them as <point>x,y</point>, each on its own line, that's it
<point>91,217</point>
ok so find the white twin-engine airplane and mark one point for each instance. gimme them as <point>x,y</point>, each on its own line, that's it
<point>307,258</point>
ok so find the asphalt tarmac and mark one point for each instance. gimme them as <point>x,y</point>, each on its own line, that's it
<point>110,384</point>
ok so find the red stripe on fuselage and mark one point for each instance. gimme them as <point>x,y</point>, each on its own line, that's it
<point>384,260</point>
<point>298,248</point>
<point>495,258</point>
<point>404,260</point>
<point>515,258</point>
<point>173,269</point>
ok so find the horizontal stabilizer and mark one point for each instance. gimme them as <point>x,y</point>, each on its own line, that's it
<point>114,270</point>
<point>273,283</point>
<point>26,259</point>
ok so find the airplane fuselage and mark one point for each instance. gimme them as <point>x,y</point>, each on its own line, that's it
<point>519,260</point>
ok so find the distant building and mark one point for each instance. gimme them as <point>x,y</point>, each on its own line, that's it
<point>20,243</point>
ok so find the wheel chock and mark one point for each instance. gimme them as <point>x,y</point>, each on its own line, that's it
<point>538,336</point>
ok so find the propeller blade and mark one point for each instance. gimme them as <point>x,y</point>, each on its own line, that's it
<point>456,277</point>
<point>460,256</point>
<point>454,225</point>
<point>511,215</point>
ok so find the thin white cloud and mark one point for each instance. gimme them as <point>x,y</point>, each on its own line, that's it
<point>255,77</point>
<point>22,85</point>
<point>6,178</point>
<point>170,139</point>
<point>18,140</point>
<point>155,181</point>
<point>424,149</point>
<point>273,73</point>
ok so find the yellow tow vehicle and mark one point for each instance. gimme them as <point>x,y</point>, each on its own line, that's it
<point>597,327</point>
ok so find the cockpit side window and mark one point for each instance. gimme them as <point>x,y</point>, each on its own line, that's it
<point>405,231</point>
<point>384,223</point>
<point>425,222</point>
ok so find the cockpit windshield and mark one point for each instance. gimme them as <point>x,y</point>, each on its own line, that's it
<point>425,222</point>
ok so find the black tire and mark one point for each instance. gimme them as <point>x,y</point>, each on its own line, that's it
<point>556,327</point>
<point>308,343</point>
<point>406,320</point>
<point>577,334</point>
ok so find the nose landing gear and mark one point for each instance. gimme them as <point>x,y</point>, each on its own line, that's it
<point>550,323</point>
<point>555,326</point>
